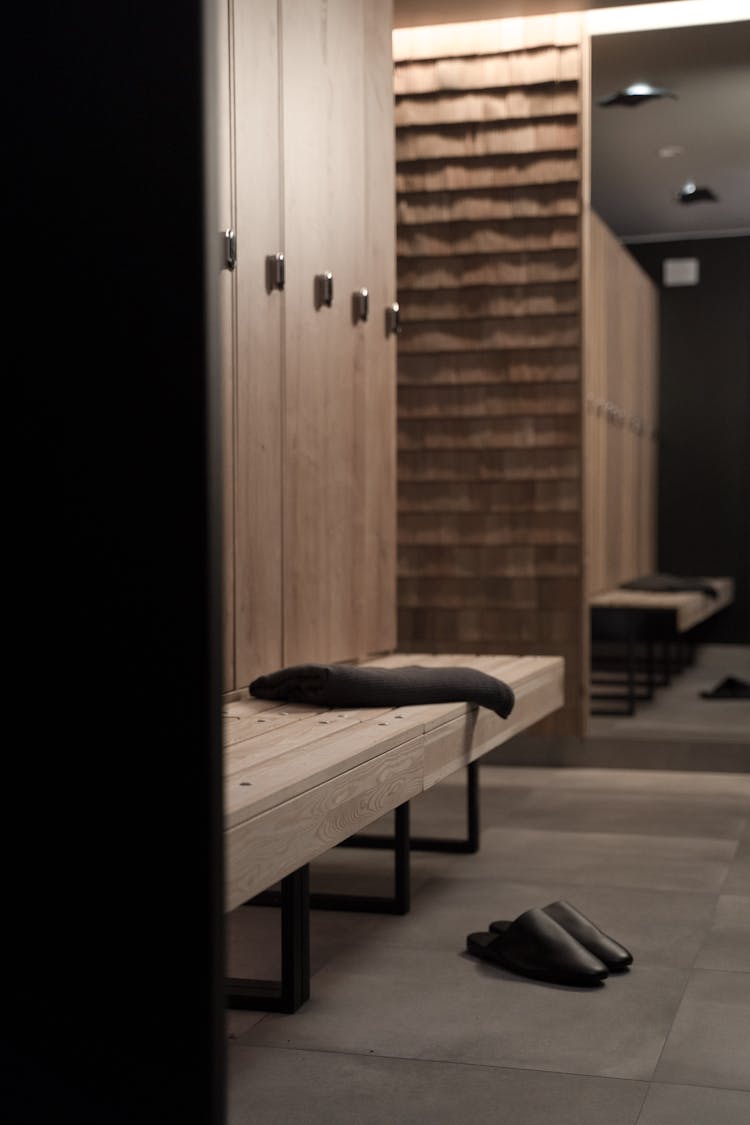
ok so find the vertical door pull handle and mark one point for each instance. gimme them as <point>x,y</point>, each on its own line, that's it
<point>361,304</point>
<point>392,324</point>
<point>324,289</point>
<point>275,272</point>
<point>230,249</point>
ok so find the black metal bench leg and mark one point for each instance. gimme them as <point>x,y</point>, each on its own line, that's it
<point>470,843</point>
<point>631,671</point>
<point>289,993</point>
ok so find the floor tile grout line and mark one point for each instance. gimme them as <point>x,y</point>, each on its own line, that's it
<point>689,976</point>
<point>647,1082</point>
<point>372,1054</point>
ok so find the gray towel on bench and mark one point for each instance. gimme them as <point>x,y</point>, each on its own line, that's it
<point>670,583</point>
<point>349,685</point>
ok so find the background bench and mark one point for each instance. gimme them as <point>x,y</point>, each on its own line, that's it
<point>649,638</point>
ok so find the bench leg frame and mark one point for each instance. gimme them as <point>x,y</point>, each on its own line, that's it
<point>289,993</point>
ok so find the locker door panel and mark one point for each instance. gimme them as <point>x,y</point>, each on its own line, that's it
<point>324,162</point>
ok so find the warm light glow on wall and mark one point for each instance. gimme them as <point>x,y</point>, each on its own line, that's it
<point>518,33</point>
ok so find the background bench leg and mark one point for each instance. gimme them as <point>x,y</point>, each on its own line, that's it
<point>289,993</point>
<point>400,901</point>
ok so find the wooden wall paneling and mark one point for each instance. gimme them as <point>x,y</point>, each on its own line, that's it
<point>324,164</point>
<point>424,276</point>
<point>489,105</point>
<point>479,72</point>
<point>376,422</point>
<point>529,201</point>
<point>543,365</point>
<point>490,489</point>
<point>485,139</point>
<point>227,338</point>
<point>517,235</point>
<point>457,174</point>
<point>258,432</point>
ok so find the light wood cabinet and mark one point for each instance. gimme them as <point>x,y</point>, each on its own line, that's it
<point>310,460</point>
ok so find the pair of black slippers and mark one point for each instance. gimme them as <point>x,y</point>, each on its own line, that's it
<point>555,943</point>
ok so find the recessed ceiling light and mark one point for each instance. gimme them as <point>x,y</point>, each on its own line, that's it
<point>690,193</point>
<point>635,94</point>
<point>668,151</point>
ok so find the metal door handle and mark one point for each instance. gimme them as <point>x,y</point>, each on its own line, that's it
<point>360,304</point>
<point>392,319</point>
<point>275,272</point>
<point>230,249</point>
<point>324,289</point>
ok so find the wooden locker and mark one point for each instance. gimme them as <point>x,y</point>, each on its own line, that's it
<point>311,445</point>
<point>258,434</point>
<point>323,183</point>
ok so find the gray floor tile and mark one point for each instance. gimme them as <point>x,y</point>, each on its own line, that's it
<point>288,1087</point>
<point>239,1022</point>
<point>670,782</point>
<point>727,945</point>
<point>695,1105</point>
<point>737,881</point>
<point>679,711</point>
<point>658,928</point>
<point>671,815</point>
<point>709,1044</point>
<point>674,863</point>
<point>448,1006</point>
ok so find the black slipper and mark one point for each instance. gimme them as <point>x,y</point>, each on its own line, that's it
<point>615,956</point>
<point>730,688</point>
<point>535,945</point>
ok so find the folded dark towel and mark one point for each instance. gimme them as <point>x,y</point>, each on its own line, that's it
<point>670,584</point>
<point>349,685</point>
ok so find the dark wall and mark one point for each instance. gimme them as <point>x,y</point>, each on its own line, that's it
<point>704,404</point>
<point>111,806</point>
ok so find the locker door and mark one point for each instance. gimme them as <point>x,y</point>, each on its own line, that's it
<point>258,437</point>
<point>323,191</point>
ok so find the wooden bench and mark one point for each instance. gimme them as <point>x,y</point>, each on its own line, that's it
<point>300,780</point>
<point>650,620</point>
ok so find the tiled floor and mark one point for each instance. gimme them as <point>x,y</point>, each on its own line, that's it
<point>403,1026</point>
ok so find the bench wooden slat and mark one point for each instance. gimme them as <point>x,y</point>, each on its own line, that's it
<point>305,733</point>
<point>240,728</point>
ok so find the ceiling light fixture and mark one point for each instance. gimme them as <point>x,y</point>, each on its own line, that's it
<point>635,94</point>
<point>689,193</point>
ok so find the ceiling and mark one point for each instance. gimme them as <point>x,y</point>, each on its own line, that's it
<point>632,187</point>
<point>414,13</point>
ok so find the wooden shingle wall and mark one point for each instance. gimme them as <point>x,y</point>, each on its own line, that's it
<point>489,356</point>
